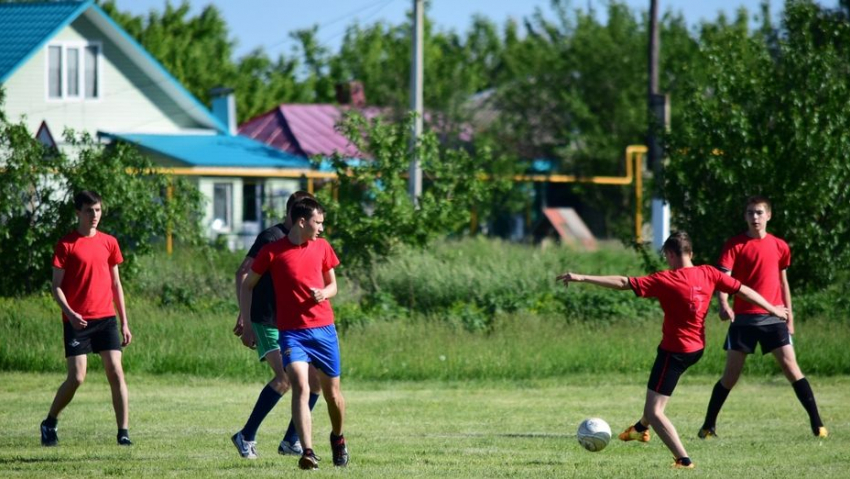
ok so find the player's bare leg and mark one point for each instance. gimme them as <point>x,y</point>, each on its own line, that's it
<point>654,412</point>
<point>734,366</point>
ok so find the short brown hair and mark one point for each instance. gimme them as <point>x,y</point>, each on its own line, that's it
<point>86,197</point>
<point>304,208</point>
<point>757,200</point>
<point>295,197</point>
<point>679,243</point>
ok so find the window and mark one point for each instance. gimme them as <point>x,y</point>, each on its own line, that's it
<point>92,54</point>
<point>252,201</point>
<point>222,205</point>
<point>54,72</point>
<point>73,71</point>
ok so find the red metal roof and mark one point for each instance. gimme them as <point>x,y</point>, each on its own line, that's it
<point>305,130</point>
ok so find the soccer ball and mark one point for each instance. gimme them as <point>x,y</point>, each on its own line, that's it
<point>593,434</point>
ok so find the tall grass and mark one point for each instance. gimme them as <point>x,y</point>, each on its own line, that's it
<point>460,310</point>
<point>515,346</point>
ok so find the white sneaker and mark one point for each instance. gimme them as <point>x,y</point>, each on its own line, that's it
<point>247,449</point>
<point>290,449</point>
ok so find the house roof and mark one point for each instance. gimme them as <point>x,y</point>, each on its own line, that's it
<point>26,27</point>
<point>213,150</point>
<point>305,130</point>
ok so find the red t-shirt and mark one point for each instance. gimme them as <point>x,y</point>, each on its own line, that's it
<point>295,269</point>
<point>684,294</point>
<point>88,263</point>
<point>756,263</point>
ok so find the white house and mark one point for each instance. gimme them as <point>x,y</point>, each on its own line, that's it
<point>67,64</point>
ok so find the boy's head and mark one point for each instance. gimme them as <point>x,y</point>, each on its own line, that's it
<point>757,213</point>
<point>89,208</point>
<point>308,215</point>
<point>678,245</point>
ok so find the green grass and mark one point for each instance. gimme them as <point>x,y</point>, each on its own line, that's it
<point>515,346</point>
<point>181,426</point>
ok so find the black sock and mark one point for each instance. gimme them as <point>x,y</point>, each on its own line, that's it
<point>685,461</point>
<point>335,438</point>
<point>640,427</point>
<point>308,452</point>
<point>123,433</point>
<point>51,421</point>
<point>718,397</point>
<point>807,399</point>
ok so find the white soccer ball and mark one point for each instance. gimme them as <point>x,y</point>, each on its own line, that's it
<point>594,434</point>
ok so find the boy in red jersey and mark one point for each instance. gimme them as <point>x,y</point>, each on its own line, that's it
<point>88,289</point>
<point>761,260</point>
<point>260,332</point>
<point>302,270</point>
<point>684,292</point>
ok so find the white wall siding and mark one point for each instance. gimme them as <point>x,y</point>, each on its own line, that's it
<point>129,100</point>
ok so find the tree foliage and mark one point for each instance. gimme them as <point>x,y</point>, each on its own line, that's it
<point>370,210</point>
<point>770,119</point>
<point>36,208</point>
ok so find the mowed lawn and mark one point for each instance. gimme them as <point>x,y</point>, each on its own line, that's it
<point>182,425</point>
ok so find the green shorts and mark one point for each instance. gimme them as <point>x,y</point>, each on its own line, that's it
<point>266,339</point>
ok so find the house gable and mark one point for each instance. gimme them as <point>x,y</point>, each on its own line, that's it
<point>136,94</point>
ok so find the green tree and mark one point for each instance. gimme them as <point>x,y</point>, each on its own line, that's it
<point>771,119</point>
<point>36,208</point>
<point>370,211</point>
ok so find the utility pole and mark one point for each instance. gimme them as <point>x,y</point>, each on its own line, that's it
<point>416,77</point>
<point>659,106</point>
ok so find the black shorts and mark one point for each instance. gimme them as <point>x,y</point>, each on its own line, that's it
<point>98,335</point>
<point>769,336</point>
<point>668,368</point>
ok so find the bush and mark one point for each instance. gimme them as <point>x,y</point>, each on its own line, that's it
<point>36,208</point>
<point>772,119</point>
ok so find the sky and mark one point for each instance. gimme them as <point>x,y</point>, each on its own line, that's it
<point>267,23</point>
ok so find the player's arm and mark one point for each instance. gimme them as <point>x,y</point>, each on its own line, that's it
<point>330,289</point>
<point>726,312</point>
<point>75,318</point>
<point>120,306</point>
<point>786,298</point>
<point>246,295</point>
<point>613,282</point>
<point>241,274</point>
<point>752,296</point>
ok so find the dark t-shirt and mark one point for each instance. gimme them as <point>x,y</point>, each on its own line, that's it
<point>263,302</point>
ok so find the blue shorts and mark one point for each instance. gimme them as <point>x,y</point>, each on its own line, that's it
<point>319,346</point>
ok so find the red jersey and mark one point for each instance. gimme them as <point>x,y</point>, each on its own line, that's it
<point>88,263</point>
<point>295,271</point>
<point>756,263</point>
<point>684,294</point>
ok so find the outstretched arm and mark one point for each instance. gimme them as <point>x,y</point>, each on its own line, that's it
<point>752,296</point>
<point>613,282</point>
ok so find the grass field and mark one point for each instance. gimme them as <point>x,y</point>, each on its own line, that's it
<point>181,426</point>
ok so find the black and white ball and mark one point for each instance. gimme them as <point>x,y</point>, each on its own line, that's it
<point>594,434</point>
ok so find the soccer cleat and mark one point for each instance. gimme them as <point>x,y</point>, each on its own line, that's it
<point>308,460</point>
<point>631,434</point>
<point>340,452</point>
<point>706,433</point>
<point>124,441</point>
<point>679,464</point>
<point>822,432</point>
<point>290,449</point>
<point>247,449</point>
<point>48,435</point>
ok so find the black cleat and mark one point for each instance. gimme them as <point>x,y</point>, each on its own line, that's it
<point>48,435</point>
<point>124,441</point>
<point>340,451</point>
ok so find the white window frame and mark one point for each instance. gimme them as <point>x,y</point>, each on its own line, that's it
<point>81,47</point>
<point>227,221</point>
